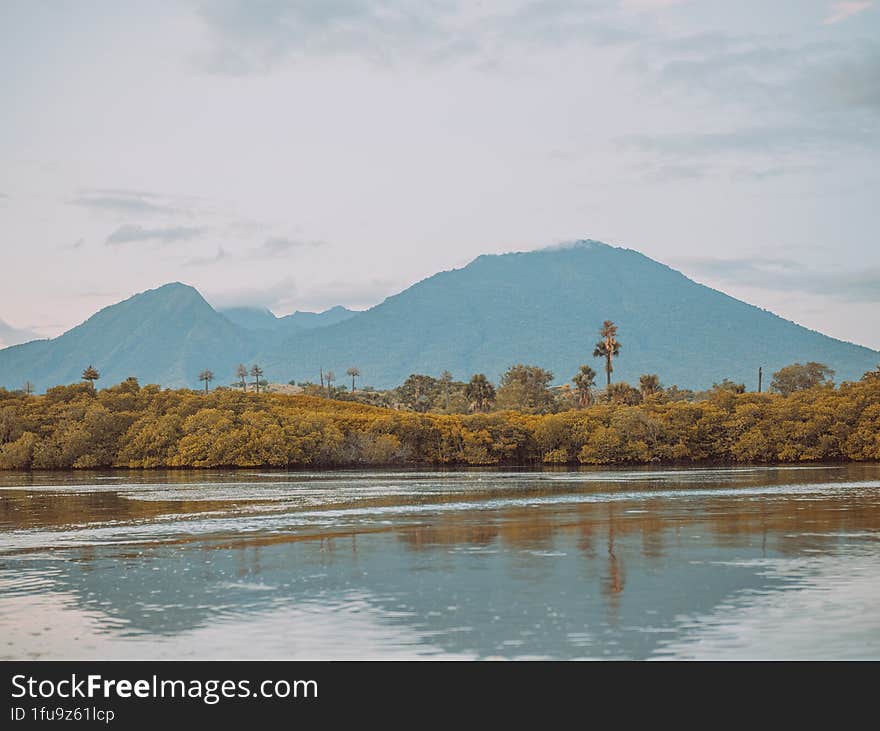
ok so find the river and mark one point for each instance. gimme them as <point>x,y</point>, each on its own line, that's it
<point>740,562</point>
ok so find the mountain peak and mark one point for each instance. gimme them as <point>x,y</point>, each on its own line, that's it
<point>175,288</point>
<point>572,245</point>
<point>577,244</point>
<point>171,295</point>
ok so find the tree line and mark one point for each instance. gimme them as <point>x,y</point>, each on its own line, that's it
<point>133,426</point>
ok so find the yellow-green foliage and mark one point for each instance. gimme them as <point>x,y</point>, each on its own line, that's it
<point>128,426</point>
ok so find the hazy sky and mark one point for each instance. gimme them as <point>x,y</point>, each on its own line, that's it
<point>300,154</point>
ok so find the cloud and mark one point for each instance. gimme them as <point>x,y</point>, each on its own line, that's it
<point>670,172</point>
<point>759,142</point>
<point>269,296</point>
<point>649,5</point>
<point>251,37</point>
<point>280,245</point>
<point>247,37</point>
<point>844,10</point>
<point>777,274</point>
<point>133,233</point>
<point>285,296</point>
<point>820,100</point>
<point>770,75</point>
<point>769,172</point>
<point>124,202</point>
<point>356,295</point>
<point>750,69</point>
<point>852,82</point>
<point>200,261</point>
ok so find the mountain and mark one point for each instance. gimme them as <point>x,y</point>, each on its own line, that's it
<point>261,318</point>
<point>313,320</point>
<point>545,307</point>
<point>13,336</point>
<point>251,318</point>
<point>165,335</point>
<point>542,307</point>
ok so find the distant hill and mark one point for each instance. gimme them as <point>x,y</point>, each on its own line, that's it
<point>542,307</point>
<point>13,336</point>
<point>260,318</point>
<point>251,318</point>
<point>165,335</point>
<point>545,307</point>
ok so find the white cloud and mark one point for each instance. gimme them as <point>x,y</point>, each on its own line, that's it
<point>133,233</point>
<point>847,9</point>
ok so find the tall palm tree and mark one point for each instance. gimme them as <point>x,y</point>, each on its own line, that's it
<point>354,373</point>
<point>241,374</point>
<point>257,373</point>
<point>91,375</point>
<point>206,376</point>
<point>608,347</point>
<point>329,376</point>
<point>584,382</point>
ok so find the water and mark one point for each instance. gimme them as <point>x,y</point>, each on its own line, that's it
<point>747,562</point>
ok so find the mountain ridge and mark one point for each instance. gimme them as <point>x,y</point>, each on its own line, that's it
<point>262,318</point>
<point>542,307</point>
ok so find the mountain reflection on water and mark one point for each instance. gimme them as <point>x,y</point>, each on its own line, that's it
<point>728,562</point>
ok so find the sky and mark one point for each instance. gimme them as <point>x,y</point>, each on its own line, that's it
<point>301,154</point>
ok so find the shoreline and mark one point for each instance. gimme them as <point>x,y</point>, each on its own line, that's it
<point>398,467</point>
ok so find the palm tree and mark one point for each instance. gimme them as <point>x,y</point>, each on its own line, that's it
<point>257,373</point>
<point>329,376</point>
<point>480,392</point>
<point>241,374</point>
<point>608,347</point>
<point>206,376</point>
<point>584,382</point>
<point>354,373</point>
<point>91,375</point>
<point>28,388</point>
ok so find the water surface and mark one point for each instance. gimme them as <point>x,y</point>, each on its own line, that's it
<point>746,562</point>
